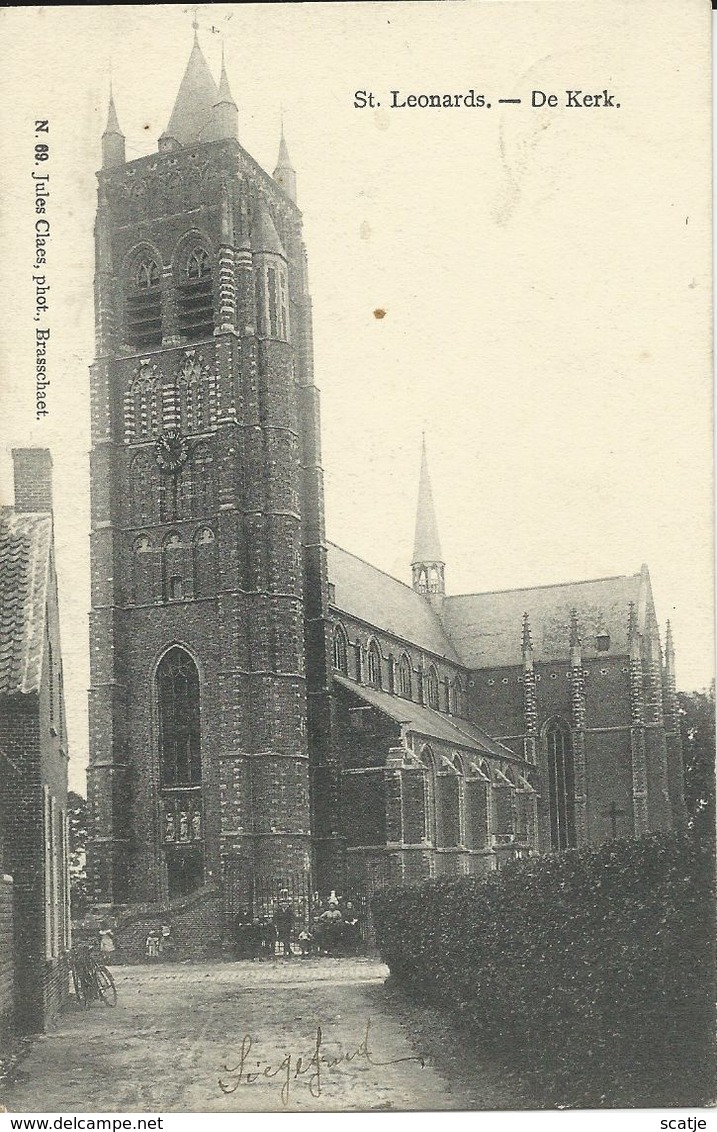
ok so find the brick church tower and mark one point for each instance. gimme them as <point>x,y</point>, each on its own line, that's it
<point>209,589</point>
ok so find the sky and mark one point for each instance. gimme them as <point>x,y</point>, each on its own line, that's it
<point>545,274</point>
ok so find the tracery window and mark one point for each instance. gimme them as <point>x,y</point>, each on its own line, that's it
<point>340,650</point>
<point>404,677</point>
<point>195,296</point>
<point>561,784</point>
<point>180,761</point>
<point>143,301</point>
<point>432,688</point>
<point>374,665</point>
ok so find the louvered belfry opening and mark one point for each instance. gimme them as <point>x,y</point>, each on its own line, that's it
<point>195,294</point>
<point>144,307</point>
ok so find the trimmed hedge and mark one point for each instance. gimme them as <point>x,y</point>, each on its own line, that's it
<point>592,971</point>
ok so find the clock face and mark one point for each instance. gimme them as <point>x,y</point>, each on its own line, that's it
<point>171,450</point>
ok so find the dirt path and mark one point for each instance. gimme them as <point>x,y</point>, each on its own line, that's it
<point>165,1046</point>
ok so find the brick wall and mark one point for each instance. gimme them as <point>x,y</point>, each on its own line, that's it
<point>7,960</point>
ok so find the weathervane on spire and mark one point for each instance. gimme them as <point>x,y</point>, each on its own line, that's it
<point>195,21</point>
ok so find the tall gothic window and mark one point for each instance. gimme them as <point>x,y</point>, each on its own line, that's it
<point>341,662</point>
<point>459,701</point>
<point>195,296</point>
<point>143,300</point>
<point>432,688</point>
<point>374,665</point>
<point>180,761</point>
<point>404,677</point>
<point>450,791</point>
<point>478,802</point>
<point>418,797</point>
<point>561,784</point>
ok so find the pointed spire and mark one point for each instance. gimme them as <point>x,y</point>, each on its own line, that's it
<point>112,139</point>
<point>285,174</point>
<point>427,564</point>
<point>197,96</point>
<point>224,94</point>
<point>225,116</point>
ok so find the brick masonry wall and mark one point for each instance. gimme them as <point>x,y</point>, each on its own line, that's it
<point>7,961</point>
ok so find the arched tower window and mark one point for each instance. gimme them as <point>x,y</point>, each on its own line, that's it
<point>143,304</point>
<point>432,688</point>
<point>180,762</point>
<point>173,579</point>
<point>142,589</point>
<point>195,295</point>
<point>561,784</point>
<point>141,503</point>
<point>204,562</point>
<point>374,665</point>
<point>203,488</point>
<point>405,688</point>
<point>341,661</point>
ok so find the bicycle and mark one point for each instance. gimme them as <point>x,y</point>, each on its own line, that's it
<point>91,979</point>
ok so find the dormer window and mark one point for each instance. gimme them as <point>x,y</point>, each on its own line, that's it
<point>603,641</point>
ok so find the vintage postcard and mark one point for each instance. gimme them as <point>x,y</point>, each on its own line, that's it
<point>356,559</point>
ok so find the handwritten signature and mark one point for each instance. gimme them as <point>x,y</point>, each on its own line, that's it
<point>294,1067</point>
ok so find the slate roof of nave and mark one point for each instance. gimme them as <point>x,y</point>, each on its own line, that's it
<point>367,593</point>
<point>487,628</point>
<point>430,724</point>
<point>484,630</point>
<point>25,545</point>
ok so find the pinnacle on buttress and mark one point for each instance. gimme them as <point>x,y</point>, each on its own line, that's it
<point>427,564</point>
<point>669,643</point>
<point>527,642</point>
<point>112,139</point>
<point>575,641</point>
<point>285,174</point>
<point>197,96</point>
<point>633,635</point>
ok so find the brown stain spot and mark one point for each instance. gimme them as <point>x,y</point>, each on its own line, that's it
<point>644,356</point>
<point>146,127</point>
<point>379,313</point>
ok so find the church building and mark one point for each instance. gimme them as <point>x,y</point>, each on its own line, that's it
<point>264,704</point>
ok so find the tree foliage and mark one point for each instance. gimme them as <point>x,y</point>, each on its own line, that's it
<point>77,812</point>
<point>697,725</point>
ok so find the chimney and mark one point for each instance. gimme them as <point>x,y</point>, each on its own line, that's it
<point>33,479</point>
